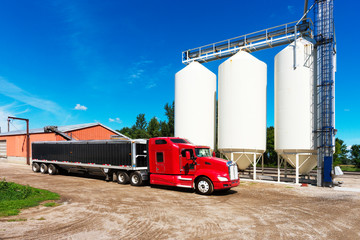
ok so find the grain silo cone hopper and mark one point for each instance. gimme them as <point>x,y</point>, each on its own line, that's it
<point>244,158</point>
<point>304,161</point>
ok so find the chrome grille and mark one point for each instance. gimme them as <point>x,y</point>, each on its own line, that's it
<point>233,171</point>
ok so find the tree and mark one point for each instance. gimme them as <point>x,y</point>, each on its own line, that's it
<point>164,129</point>
<point>141,129</point>
<point>138,130</point>
<point>170,113</point>
<point>153,128</point>
<point>126,131</point>
<point>355,155</point>
<point>141,122</point>
<point>341,152</point>
<point>270,156</point>
<point>139,133</point>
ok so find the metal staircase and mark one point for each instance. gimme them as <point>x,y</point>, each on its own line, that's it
<point>325,45</point>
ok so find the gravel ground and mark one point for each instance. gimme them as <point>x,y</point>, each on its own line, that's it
<point>91,208</point>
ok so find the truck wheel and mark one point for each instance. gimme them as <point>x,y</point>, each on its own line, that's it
<point>35,167</point>
<point>43,168</point>
<point>122,177</point>
<point>135,179</point>
<point>204,186</point>
<point>52,170</point>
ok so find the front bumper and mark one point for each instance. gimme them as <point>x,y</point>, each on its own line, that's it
<point>223,185</point>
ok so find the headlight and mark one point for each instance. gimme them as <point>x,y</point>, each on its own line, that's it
<point>223,179</point>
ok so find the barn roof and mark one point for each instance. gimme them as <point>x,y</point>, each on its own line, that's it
<point>65,129</point>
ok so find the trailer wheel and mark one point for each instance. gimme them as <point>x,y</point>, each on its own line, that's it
<point>122,177</point>
<point>52,170</point>
<point>135,179</point>
<point>204,186</point>
<point>43,168</point>
<point>35,167</point>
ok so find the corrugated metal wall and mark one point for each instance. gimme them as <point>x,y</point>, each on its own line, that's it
<point>91,133</point>
<point>16,145</point>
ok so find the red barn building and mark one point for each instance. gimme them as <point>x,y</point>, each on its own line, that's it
<point>13,144</point>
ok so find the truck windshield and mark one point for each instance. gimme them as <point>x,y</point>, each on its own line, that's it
<point>202,152</point>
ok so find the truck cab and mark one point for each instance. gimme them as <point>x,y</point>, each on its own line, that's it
<point>177,162</point>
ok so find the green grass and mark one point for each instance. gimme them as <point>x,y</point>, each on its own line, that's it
<point>17,220</point>
<point>50,204</point>
<point>349,168</point>
<point>14,197</point>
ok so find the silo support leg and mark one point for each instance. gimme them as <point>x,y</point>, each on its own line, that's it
<point>254,166</point>
<point>297,169</point>
<point>278,158</point>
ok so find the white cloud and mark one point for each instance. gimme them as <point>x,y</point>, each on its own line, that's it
<point>151,85</point>
<point>137,73</point>
<point>141,73</point>
<point>346,110</point>
<point>291,9</point>
<point>117,120</point>
<point>138,70</point>
<point>11,90</point>
<point>80,107</point>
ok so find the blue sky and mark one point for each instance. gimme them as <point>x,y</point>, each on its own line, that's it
<point>71,62</point>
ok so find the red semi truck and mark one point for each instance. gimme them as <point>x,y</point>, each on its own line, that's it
<point>164,161</point>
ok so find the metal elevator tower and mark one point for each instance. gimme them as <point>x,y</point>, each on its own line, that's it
<point>325,46</point>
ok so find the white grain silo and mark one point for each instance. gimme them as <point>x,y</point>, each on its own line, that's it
<point>294,106</point>
<point>242,109</point>
<point>195,92</point>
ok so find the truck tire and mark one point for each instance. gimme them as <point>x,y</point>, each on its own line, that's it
<point>43,168</point>
<point>122,177</point>
<point>52,169</point>
<point>204,186</point>
<point>35,167</point>
<point>135,179</point>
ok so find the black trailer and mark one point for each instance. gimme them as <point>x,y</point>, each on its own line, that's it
<point>121,160</point>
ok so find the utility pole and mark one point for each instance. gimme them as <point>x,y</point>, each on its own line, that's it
<point>27,136</point>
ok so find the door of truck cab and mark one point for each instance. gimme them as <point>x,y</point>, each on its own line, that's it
<point>187,162</point>
<point>161,155</point>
